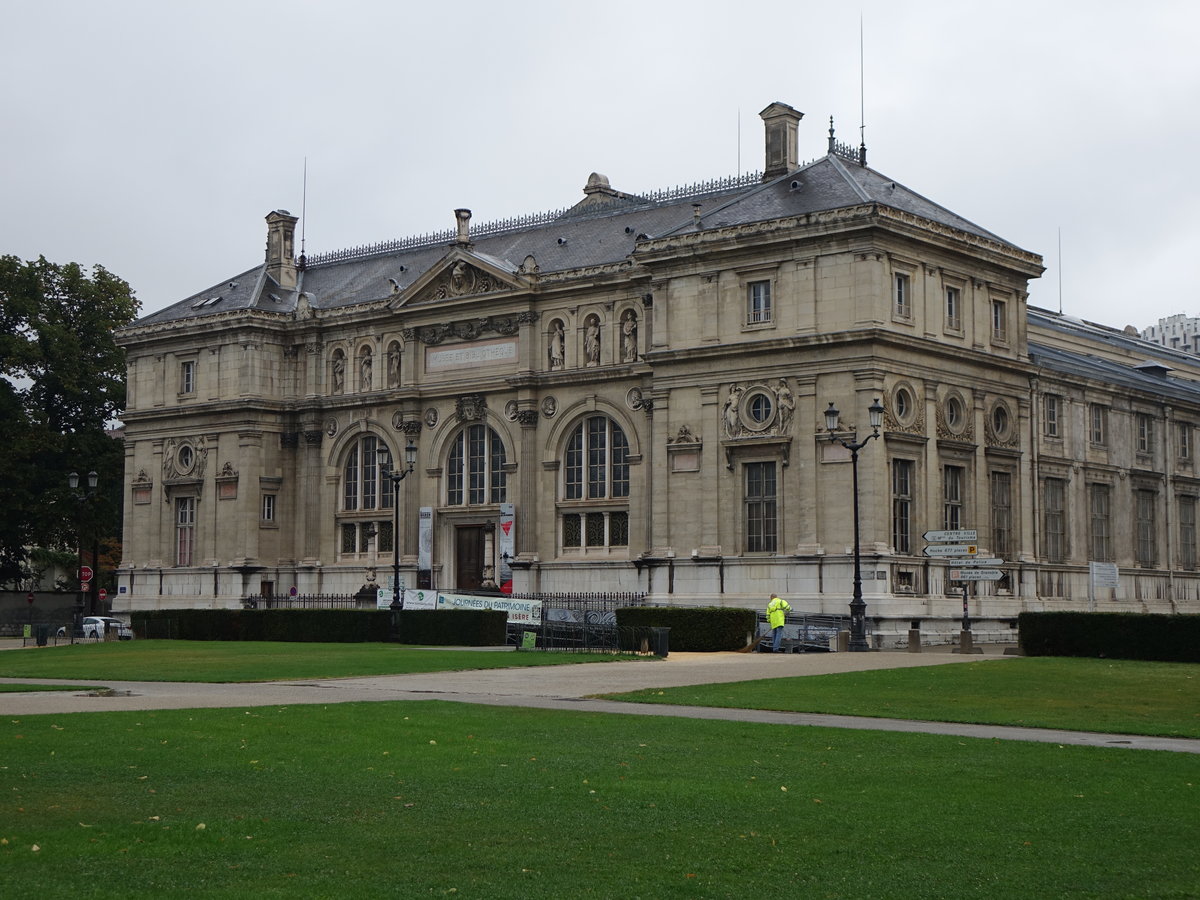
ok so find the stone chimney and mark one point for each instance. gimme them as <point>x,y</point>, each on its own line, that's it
<point>463,218</point>
<point>281,264</point>
<point>781,123</point>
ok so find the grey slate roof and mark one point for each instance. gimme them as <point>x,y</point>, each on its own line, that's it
<point>589,234</point>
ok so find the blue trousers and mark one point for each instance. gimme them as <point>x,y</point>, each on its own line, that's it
<point>776,638</point>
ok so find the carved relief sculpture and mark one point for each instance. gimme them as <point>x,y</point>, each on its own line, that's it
<point>785,401</point>
<point>629,330</point>
<point>591,340</point>
<point>339,371</point>
<point>557,344</point>
<point>732,415</point>
<point>364,370</point>
<point>393,365</point>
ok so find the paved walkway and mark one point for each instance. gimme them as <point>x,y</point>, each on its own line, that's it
<point>568,687</point>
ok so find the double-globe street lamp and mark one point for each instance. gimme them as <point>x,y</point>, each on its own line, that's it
<point>385,460</point>
<point>81,497</point>
<point>858,618</point>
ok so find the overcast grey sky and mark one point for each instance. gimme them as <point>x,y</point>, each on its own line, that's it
<point>153,136</point>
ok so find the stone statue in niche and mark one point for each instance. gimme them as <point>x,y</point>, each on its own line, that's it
<point>558,345</point>
<point>785,402</point>
<point>591,340</point>
<point>629,331</point>
<point>732,414</point>
<point>364,370</point>
<point>393,366</point>
<point>339,372</point>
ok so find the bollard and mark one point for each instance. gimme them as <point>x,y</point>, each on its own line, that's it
<point>914,640</point>
<point>966,644</point>
<point>843,641</point>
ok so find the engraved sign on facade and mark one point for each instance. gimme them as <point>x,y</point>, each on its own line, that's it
<point>479,354</point>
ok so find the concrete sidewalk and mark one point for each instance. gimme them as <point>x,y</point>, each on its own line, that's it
<point>568,687</point>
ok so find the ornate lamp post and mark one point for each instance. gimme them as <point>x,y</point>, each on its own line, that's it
<point>858,619</point>
<point>410,460</point>
<point>81,498</point>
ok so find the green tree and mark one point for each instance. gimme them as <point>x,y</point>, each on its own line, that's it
<point>62,386</point>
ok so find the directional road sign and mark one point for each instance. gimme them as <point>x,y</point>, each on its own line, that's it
<point>976,574</point>
<point>977,561</point>
<point>951,550</point>
<point>961,534</point>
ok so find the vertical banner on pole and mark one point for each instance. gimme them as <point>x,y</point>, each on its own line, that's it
<point>425,548</point>
<point>508,518</point>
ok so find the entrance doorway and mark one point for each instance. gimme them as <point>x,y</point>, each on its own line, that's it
<point>468,557</point>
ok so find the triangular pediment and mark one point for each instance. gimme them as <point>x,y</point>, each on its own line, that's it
<point>462,273</point>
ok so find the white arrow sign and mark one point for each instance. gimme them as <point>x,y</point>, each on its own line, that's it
<point>977,561</point>
<point>961,534</point>
<point>976,574</point>
<point>951,550</point>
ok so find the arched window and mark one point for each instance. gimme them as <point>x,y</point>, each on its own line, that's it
<point>365,491</point>
<point>595,475</point>
<point>475,468</point>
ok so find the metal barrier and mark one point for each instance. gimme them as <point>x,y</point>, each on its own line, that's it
<point>804,632</point>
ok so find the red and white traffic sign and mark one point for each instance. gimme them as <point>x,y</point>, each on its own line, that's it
<point>103,595</point>
<point>85,573</point>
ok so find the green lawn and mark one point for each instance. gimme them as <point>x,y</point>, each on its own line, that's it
<point>1121,696</point>
<point>234,661</point>
<point>443,799</point>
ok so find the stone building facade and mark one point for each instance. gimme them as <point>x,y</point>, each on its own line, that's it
<point>628,395</point>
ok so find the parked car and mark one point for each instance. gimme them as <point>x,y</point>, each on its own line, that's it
<point>94,626</point>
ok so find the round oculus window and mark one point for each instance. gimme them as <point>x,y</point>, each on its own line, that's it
<point>903,404</point>
<point>185,458</point>
<point>955,415</point>
<point>758,411</point>
<point>1000,421</point>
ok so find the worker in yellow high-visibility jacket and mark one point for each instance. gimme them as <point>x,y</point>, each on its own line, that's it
<point>777,608</point>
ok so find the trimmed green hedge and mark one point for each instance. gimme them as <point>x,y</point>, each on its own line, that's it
<point>695,629</point>
<point>454,627</point>
<point>332,625</point>
<point>1147,636</point>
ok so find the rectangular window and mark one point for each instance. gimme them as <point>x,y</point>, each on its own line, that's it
<point>185,530</point>
<point>952,497</point>
<point>758,302</point>
<point>1053,405</point>
<point>1098,424</point>
<point>370,472</point>
<point>999,320</point>
<point>598,529</point>
<point>268,507</point>
<point>385,537</point>
<point>760,507</point>
<point>901,291</point>
<point>597,458</point>
<point>1145,433</point>
<point>1001,491</point>
<point>1054,520</point>
<point>953,309</point>
<point>1187,532</point>
<point>187,377</point>
<point>1185,440</point>
<point>1100,503</point>
<point>902,500</point>
<point>1146,533</point>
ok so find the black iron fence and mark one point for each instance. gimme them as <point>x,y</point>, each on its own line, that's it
<point>311,601</point>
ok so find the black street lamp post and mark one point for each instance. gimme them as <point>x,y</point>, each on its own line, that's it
<point>385,459</point>
<point>858,618</point>
<point>81,498</point>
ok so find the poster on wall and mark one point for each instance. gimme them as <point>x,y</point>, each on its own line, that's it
<point>425,548</point>
<point>508,519</point>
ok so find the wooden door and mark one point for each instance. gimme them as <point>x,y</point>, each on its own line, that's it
<point>468,557</point>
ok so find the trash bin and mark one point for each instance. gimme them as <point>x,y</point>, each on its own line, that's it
<point>660,641</point>
<point>42,632</point>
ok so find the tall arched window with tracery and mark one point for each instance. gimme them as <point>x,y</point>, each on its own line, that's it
<point>364,523</point>
<point>475,473</point>
<point>594,509</point>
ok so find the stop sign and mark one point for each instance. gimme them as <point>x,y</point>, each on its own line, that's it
<point>103,595</point>
<point>85,573</point>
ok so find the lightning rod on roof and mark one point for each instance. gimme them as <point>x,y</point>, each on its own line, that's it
<point>862,98</point>
<point>303,210</point>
